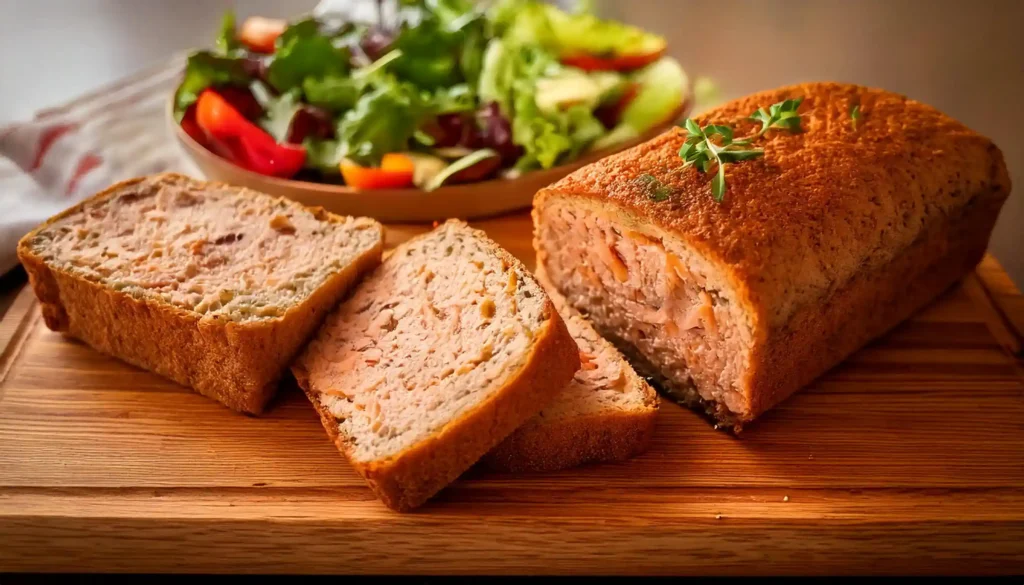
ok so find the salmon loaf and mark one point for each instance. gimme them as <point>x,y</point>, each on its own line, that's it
<point>212,286</point>
<point>839,232</point>
<point>435,358</point>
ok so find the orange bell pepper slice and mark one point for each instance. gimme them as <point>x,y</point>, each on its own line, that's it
<point>395,172</point>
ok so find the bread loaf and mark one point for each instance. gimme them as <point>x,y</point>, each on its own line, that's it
<point>212,286</point>
<point>838,233</point>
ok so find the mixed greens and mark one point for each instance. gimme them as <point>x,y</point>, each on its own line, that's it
<point>445,91</point>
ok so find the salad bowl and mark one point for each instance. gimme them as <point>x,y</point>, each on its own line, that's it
<point>465,201</point>
<point>446,108</point>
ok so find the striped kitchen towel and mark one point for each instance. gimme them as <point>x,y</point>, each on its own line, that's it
<point>67,153</point>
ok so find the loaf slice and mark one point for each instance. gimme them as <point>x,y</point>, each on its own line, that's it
<point>838,233</point>
<point>606,413</point>
<point>435,358</point>
<point>212,286</point>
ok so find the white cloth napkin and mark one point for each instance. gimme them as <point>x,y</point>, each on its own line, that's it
<point>66,154</point>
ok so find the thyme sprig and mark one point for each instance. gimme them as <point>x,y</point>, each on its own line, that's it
<point>714,144</point>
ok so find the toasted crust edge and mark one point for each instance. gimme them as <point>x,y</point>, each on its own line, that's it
<point>237,364</point>
<point>603,437</point>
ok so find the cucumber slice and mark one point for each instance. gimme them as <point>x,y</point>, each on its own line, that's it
<point>462,164</point>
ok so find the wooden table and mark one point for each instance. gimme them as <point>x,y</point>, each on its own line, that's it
<point>908,458</point>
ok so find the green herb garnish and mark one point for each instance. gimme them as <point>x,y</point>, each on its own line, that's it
<point>700,150</point>
<point>855,115</point>
<point>655,189</point>
<point>780,115</point>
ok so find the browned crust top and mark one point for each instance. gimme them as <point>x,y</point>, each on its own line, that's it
<point>820,205</point>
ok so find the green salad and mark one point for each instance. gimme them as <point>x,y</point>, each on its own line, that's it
<point>444,91</point>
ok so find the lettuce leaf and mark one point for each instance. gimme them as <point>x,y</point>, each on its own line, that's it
<point>429,55</point>
<point>334,93</point>
<point>323,156</point>
<point>583,128</point>
<point>508,66</point>
<point>509,78</point>
<point>306,56</point>
<point>202,70</point>
<point>548,138</point>
<point>452,100</point>
<point>539,23</point>
<point>471,57</point>
<point>542,138</point>
<point>227,41</point>
<point>305,28</point>
<point>382,121</point>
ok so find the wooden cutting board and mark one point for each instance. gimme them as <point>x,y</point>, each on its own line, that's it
<point>908,458</point>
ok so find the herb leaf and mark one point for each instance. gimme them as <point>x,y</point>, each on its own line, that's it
<point>655,189</point>
<point>718,184</point>
<point>854,115</point>
<point>781,115</point>
<point>306,56</point>
<point>731,156</point>
<point>700,151</point>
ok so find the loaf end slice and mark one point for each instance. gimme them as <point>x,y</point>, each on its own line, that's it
<point>435,358</point>
<point>212,286</point>
<point>606,413</point>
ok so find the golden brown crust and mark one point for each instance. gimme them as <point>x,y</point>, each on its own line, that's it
<point>818,338</point>
<point>821,205</point>
<point>408,480</point>
<point>612,435</point>
<point>238,364</point>
<point>830,239</point>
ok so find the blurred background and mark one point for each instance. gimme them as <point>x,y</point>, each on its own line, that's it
<point>965,58</point>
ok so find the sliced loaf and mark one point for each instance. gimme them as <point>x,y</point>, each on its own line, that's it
<point>830,239</point>
<point>606,413</point>
<point>212,286</point>
<point>436,357</point>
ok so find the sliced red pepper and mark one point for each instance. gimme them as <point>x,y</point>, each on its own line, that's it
<point>242,142</point>
<point>191,127</point>
<point>395,172</point>
<point>241,99</point>
<point>259,34</point>
<point>589,62</point>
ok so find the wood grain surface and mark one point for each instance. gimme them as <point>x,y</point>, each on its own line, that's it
<point>908,458</point>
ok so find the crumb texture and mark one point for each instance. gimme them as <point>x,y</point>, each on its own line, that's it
<point>438,329</point>
<point>605,383</point>
<point>205,247</point>
<point>650,293</point>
